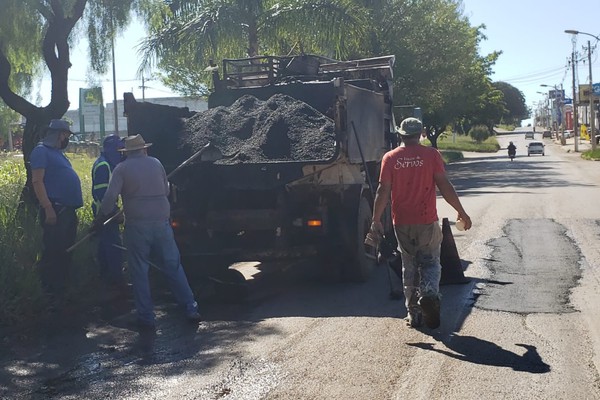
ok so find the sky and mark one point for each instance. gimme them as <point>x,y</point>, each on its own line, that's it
<point>530,33</point>
<point>535,49</point>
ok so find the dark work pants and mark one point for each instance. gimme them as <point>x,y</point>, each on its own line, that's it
<point>110,257</point>
<point>55,263</point>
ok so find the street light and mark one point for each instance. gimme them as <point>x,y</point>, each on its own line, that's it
<point>593,111</point>
<point>575,116</point>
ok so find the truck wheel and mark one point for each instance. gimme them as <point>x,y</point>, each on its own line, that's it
<point>362,258</point>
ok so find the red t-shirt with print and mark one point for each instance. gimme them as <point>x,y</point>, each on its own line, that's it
<point>410,171</point>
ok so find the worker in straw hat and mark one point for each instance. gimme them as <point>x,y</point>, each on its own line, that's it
<point>141,182</point>
<point>409,176</point>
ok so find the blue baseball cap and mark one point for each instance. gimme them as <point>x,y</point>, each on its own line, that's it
<point>60,125</point>
<point>113,143</point>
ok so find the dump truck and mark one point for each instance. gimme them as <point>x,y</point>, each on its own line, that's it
<point>291,155</point>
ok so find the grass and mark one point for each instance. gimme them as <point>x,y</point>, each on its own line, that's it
<point>465,143</point>
<point>452,148</point>
<point>21,295</point>
<point>591,155</point>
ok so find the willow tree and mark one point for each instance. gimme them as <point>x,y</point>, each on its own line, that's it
<point>185,36</point>
<point>35,38</point>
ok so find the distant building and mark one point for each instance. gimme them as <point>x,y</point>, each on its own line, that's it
<point>92,128</point>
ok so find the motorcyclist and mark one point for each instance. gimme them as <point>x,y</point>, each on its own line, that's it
<point>512,149</point>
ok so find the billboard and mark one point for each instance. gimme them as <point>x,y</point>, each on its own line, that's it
<point>91,110</point>
<point>584,93</point>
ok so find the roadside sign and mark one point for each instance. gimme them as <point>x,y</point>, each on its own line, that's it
<point>596,89</point>
<point>556,94</point>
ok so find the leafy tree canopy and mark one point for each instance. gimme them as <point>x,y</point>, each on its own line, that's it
<point>184,36</point>
<point>39,33</point>
<point>514,100</point>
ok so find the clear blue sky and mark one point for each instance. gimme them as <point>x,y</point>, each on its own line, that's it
<point>530,34</point>
<point>535,49</point>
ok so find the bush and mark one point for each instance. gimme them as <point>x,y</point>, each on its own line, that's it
<point>479,133</point>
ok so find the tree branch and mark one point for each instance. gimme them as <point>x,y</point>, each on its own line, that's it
<point>12,100</point>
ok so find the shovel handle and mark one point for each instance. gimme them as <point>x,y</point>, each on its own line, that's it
<point>183,164</point>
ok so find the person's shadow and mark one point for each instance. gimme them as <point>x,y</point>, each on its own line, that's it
<point>479,351</point>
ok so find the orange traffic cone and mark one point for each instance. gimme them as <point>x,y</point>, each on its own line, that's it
<point>452,271</point>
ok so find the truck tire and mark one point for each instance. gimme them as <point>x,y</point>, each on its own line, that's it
<point>362,259</point>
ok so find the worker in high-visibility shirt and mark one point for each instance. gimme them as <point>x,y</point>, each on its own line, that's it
<point>109,250</point>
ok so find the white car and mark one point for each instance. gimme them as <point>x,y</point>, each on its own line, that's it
<point>568,134</point>
<point>535,148</point>
<point>529,135</point>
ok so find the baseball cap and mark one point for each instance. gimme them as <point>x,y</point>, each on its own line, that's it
<point>60,125</point>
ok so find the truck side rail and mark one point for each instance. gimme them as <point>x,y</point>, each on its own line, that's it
<point>269,70</point>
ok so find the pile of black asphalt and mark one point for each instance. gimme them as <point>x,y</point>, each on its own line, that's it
<point>254,131</point>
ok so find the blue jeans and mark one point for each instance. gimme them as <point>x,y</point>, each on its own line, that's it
<point>156,237</point>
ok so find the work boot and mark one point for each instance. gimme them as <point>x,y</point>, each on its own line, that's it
<point>430,305</point>
<point>414,319</point>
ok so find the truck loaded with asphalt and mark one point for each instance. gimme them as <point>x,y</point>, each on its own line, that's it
<point>291,148</point>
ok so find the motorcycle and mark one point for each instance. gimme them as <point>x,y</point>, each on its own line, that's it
<point>512,154</point>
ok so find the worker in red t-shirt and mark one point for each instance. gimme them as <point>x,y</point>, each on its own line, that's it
<point>409,176</point>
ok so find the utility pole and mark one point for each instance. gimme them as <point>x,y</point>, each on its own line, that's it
<point>114,73</point>
<point>143,88</point>
<point>575,113</point>
<point>592,105</point>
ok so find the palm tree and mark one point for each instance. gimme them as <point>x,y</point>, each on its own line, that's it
<point>186,35</point>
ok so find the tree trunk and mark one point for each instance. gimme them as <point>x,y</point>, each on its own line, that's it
<point>55,49</point>
<point>432,136</point>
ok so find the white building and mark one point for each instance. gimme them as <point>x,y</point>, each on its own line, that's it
<point>91,128</point>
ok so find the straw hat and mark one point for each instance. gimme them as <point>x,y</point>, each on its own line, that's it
<point>135,142</point>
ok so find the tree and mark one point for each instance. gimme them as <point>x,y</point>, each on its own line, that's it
<point>185,36</point>
<point>438,67</point>
<point>34,34</point>
<point>516,108</point>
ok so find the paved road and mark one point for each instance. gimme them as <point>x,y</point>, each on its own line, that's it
<point>525,327</point>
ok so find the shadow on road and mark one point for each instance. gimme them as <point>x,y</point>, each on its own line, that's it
<point>478,351</point>
<point>498,172</point>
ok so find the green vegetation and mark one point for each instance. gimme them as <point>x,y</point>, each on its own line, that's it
<point>506,127</point>
<point>465,143</point>
<point>591,155</point>
<point>479,133</point>
<point>450,156</point>
<point>20,245</point>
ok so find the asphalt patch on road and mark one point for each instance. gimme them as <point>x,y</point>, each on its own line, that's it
<point>534,267</point>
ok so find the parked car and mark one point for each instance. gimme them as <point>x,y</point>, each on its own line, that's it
<point>535,148</point>
<point>546,134</point>
<point>568,134</point>
<point>529,135</point>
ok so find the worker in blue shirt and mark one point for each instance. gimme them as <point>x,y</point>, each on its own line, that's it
<point>58,191</point>
<point>109,250</point>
